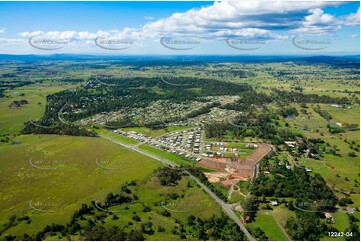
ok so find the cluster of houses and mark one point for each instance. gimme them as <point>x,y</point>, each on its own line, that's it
<point>186,139</point>
<point>220,149</point>
<point>171,143</point>
<point>170,113</point>
<point>251,146</point>
<point>197,140</point>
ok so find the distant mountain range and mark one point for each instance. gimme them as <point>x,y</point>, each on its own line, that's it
<point>189,59</point>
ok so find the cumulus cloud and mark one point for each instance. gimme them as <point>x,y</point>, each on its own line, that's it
<point>353,19</point>
<point>319,23</point>
<point>230,17</point>
<point>318,17</point>
<point>70,35</point>
<point>266,20</point>
<point>2,30</point>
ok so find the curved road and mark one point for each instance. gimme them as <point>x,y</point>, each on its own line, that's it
<point>225,206</point>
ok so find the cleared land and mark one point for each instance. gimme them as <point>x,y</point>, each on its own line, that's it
<point>66,172</point>
<point>13,119</point>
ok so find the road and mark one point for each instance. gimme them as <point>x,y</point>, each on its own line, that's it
<point>224,205</point>
<point>256,165</point>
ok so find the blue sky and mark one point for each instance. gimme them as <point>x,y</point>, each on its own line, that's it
<point>176,28</point>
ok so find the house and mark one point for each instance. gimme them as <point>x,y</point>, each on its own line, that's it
<point>350,210</point>
<point>251,146</point>
<point>274,203</point>
<point>329,218</point>
<point>291,144</point>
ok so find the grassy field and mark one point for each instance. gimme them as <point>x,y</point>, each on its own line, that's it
<point>241,150</point>
<point>179,160</point>
<point>235,197</point>
<point>192,200</point>
<point>56,174</point>
<point>195,202</point>
<point>12,119</point>
<point>267,222</point>
<point>116,137</point>
<point>340,171</point>
<point>343,115</point>
<point>309,121</point>
<point>156,132</point>
<point>312,84</point>
<point>341,221</point>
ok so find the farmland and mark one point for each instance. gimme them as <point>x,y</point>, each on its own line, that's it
<point>12,120</point>
<point>262,127</point>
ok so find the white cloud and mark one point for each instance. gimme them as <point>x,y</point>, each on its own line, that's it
<point>222,20</point>
<point>30,34</point>
<point>319,18</point>
<point>251,33</point>
<point>229,16</point>
<point>319,23</point>
<point>2,30</point>
<point>69,35</point>
<point>266,20</point>
<point>353,19</point>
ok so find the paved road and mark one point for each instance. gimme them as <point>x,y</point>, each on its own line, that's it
<point>225,206</point>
